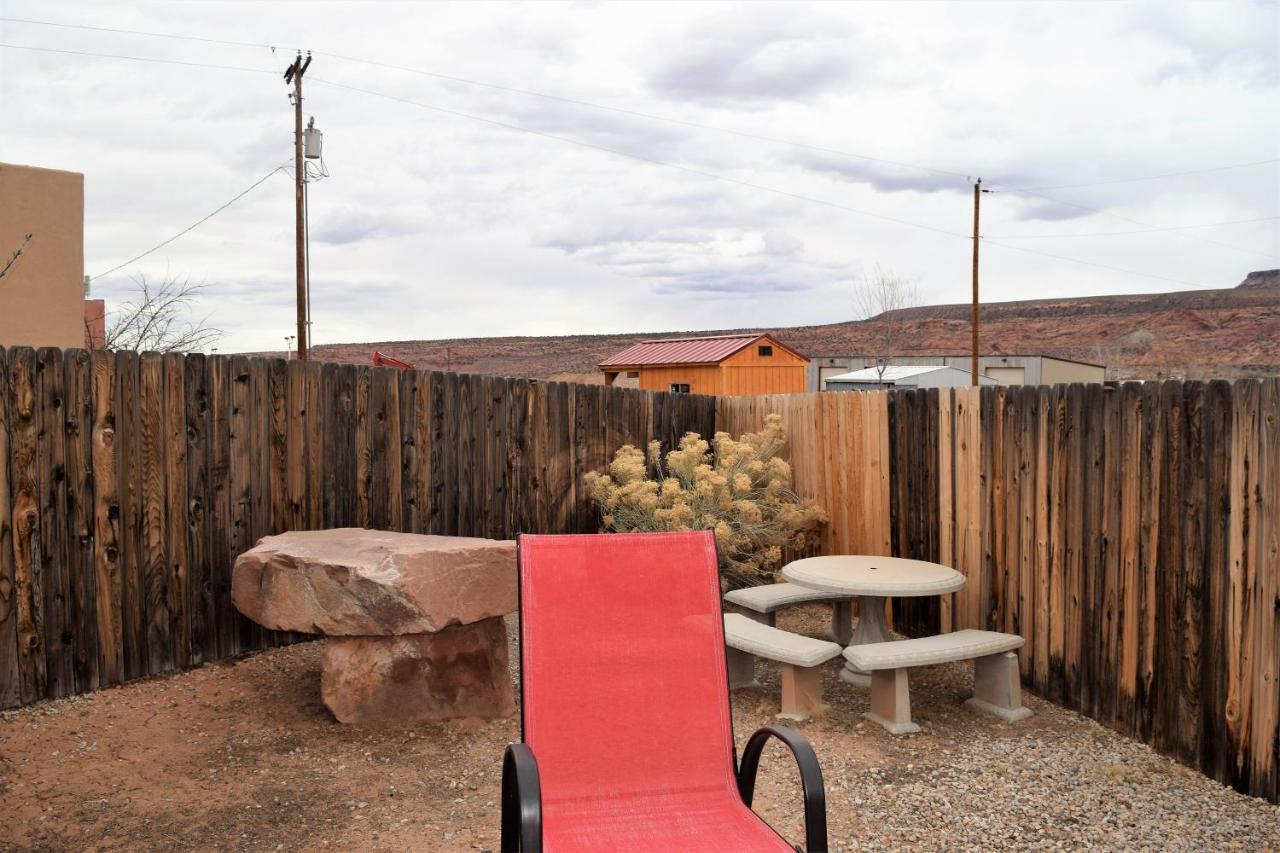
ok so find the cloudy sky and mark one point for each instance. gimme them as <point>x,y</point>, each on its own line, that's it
<point>599,167</point>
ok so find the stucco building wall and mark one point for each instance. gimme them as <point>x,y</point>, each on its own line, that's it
<point>42,295</point>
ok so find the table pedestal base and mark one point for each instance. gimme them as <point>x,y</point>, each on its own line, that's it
<point>841,630</point>
<point>871,629</point>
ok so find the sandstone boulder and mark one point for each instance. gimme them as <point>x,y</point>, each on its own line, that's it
<point>353,582</point>
<point>459,672</point>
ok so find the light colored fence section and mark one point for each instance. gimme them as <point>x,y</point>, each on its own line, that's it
<point>838,447</point>
<point>1130,533</point>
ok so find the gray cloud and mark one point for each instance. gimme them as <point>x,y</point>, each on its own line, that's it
<point>1048,210</point>
<point>882,176</point>
<point>733,283</point>
<point>352,224</point>
<point>1206,46</point>
<point>782,243</point>
<point>791,55</point>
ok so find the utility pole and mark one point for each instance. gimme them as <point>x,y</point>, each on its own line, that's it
<point>293,74</point>
<point>977,196</point>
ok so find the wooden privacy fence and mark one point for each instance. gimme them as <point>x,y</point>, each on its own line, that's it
<point>1130,533</point>
<point>128,485</point>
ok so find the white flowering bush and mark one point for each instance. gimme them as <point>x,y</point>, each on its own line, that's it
<point>742,491</point>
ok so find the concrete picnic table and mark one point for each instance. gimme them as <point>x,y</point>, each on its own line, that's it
<point>872,579</point>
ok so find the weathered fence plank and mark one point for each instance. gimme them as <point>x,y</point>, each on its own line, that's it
<point>51,472</point>
<point>24,416</point>
<point>128,441</point>
<point>1259,769</point>
<point>202,630</point>
<point>78,522</point>
<point>10,684</point>
<point>219,383</point>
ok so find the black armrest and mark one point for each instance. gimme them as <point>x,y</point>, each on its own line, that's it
<point>815,797</point>
<point>521,801</point>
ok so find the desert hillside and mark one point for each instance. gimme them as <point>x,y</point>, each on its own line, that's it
<point>1227,333</point>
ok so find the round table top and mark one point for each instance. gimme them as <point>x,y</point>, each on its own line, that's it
<point>858,574</point>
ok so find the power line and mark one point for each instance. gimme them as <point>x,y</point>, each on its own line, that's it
<point>135,32</point>
<point>195,224</point>
<point>514,90</point>
<point>650,116</point>
<point>641,157</point>
<point>1151,177</point>
<point>137,58</point>
<point>1027,251</point>
<point>620,153</point>
<point>1132,221</point>
<point>739,182</point>
<point>1127,233</point>
<point>625,111</point>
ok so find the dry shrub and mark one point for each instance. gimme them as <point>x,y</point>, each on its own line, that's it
<point>742,492</point>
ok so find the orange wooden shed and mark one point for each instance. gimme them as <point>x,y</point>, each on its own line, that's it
<point>748,364</point>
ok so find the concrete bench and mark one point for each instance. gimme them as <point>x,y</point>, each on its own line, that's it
<point>801,658</point>
<point>996,688</point>
<point>763,602</point>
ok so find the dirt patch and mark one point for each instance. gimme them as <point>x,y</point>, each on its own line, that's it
<point>243,755</point>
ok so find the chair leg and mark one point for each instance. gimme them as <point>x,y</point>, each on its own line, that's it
<point>841,630</point>
<point>997,689</point>
<point>801,692</point>
<point>742,668</point>
<point>891,701</point>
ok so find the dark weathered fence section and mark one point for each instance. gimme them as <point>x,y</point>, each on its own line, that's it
<point>128,485</point>
<point>1131,533</point>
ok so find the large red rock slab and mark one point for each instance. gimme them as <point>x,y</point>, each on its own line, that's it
<point>459,672</point>
<point>353,582</point>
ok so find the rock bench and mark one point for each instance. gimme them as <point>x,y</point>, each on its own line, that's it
<point>761,603</point>
<point>996,688</point>
<point>415,621</point>
<point>801,658</point>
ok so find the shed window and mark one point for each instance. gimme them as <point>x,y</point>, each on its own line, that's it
<point>633,374</point>
<point>679,387</point>
<point>764,349</point>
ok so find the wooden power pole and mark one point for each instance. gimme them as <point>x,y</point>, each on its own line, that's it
<point>293,74</point>
<point>977,195</point>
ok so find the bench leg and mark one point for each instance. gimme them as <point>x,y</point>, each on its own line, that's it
<point>742,668</point>
<point>996,688</point>
<point>891,701</point>
<point>801,692</point>
<point>841,630</point>
<point>755,615</point>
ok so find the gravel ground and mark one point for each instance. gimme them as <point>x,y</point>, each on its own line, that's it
<point>242,755</point>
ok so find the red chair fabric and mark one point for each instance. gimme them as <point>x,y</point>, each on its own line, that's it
<point>625,695</point>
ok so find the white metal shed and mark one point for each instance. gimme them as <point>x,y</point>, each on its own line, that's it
<point>905,377</point>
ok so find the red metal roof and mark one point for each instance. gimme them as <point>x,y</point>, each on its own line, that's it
<point>711,350</point>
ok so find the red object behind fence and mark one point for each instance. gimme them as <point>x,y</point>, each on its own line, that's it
<point>625,697</point>
<point>388,361</point>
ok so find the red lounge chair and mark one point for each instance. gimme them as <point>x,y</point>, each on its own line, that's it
<point>628,742</point>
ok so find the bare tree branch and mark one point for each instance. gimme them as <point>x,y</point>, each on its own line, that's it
<point>882,295</point>
<point>17,253</point>
<point>157,319</point>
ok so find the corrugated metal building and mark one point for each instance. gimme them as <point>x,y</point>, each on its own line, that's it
<point>754,363</point>
<point>904,377</point>
<point>1004,369</point>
